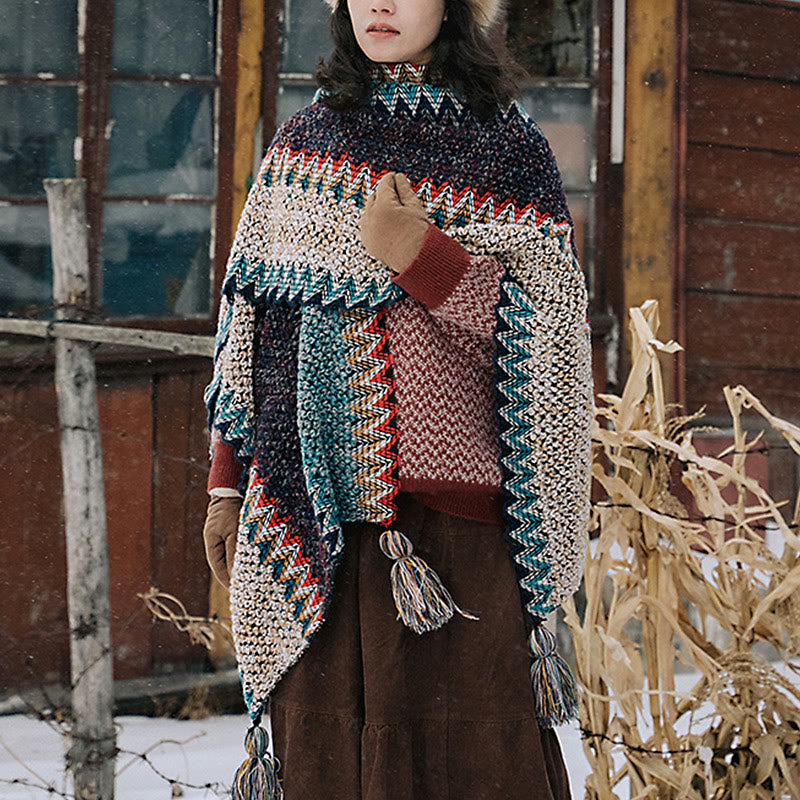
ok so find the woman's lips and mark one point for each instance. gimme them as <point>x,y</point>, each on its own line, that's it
<point>382,31</point>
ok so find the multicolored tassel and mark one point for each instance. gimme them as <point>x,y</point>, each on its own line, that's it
<point>257,777</point>
<point>554,689</point>
<point>421,600</point>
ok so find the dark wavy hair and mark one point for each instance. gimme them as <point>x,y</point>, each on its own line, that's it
<point>464,58</point>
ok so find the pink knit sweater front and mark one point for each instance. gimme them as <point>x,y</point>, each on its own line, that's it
<point>440,338</point>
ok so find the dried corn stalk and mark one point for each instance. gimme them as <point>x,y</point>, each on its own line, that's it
<point>661,581</point>
<point>201,630</point>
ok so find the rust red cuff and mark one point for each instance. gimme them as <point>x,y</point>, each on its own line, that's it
<point>226,469</point>
<point>433,275</point>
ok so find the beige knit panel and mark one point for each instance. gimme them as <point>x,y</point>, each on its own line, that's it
<point>309,232</point>
<point>267,638</point>
<point>557,437</point>
<point>234,362</point>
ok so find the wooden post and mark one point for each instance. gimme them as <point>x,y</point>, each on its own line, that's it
<point>92,753</point>
<point>648,242</point>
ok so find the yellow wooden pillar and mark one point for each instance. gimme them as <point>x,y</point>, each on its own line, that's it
<point>248,97</point>
<point>650,159</point>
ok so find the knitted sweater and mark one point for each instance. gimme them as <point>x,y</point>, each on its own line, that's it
<point>440,338</point>
<point>331,420</point>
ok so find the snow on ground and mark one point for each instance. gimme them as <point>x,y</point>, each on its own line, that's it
<point>197,752</point>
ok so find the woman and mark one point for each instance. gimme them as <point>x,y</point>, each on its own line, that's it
<point>403,368</point>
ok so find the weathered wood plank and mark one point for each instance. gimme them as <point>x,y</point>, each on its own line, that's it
<point>779,390</point>
<point>178,343</point>
<point>738,184</point>
<point>179,503</point>
<point>198,578</point>
<point>648,245</point>
<point>93,737</point>
<point>743,112</point>
<point>740,257</point>
<point>127,436</point>
<point>744,38</point>
<point>248,97</point>
<point>33,617</point>
<point>741,331</point>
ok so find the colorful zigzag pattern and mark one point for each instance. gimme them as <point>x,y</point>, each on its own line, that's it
<point>347,181</point>
<point>281,549</point>
<point>374,411</point>
<point>299,276</point>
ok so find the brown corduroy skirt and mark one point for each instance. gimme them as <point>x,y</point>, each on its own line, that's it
<point>373,711</point>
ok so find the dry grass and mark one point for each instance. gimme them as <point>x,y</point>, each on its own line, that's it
<point>682,569</point>
<point>201,630</point>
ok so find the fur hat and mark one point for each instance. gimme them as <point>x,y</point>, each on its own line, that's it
<point>484,11</point>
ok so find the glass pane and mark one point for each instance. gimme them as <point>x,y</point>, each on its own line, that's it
<point>164,37</point>
<point>25,269</point>
<point>579,210</point>
<point>38,127</point>
<point>551,37</point>
<point>39,36</point>
<point>306,37</point>
<point>565,117</point>
<point>161,140</point>
<point>293,97</point>
<point>156,259</point>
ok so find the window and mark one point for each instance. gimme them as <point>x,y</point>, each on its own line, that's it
<point>304,40</point>
<point>126,94</point>
<point>551,39</point>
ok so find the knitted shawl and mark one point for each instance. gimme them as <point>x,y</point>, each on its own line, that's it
<point>302,385</point>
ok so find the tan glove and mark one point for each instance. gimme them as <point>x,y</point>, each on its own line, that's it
<point>219,535</point>
<point>394,222</point>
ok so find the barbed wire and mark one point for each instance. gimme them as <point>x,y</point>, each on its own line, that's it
<point>219,788</point>
<point>654,448</point>
<point>214,786</point>
<point>45,787</point>
<point>717,751</point>
<point>729,521</point>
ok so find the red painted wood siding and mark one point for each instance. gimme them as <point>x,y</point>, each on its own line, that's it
<point>155,467</point>
<point>742,202</point>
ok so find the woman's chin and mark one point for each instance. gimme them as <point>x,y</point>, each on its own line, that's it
<point>387,52</point>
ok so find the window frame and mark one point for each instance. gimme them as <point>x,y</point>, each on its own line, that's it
<point>93,84</point>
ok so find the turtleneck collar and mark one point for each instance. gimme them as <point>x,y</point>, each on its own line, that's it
<point>400,73</point>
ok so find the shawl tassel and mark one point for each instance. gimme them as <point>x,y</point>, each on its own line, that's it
<point>422,601</point>
<point>554,689</point>
<point>257,777</point>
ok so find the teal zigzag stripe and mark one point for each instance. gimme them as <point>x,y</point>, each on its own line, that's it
<point>291,283</point>
<point>513,335</point>
<point>415,98</point>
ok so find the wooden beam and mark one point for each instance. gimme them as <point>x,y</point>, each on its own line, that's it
<point>93,739</point>
<point>248,98</point>
<point>648,238</point>
<point>179,343</point>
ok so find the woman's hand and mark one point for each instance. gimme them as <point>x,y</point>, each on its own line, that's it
<point>219,535</point>
<point>394,222</point>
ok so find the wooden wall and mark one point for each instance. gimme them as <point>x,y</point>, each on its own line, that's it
<point>742,202</point>
<point>153,431</point>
